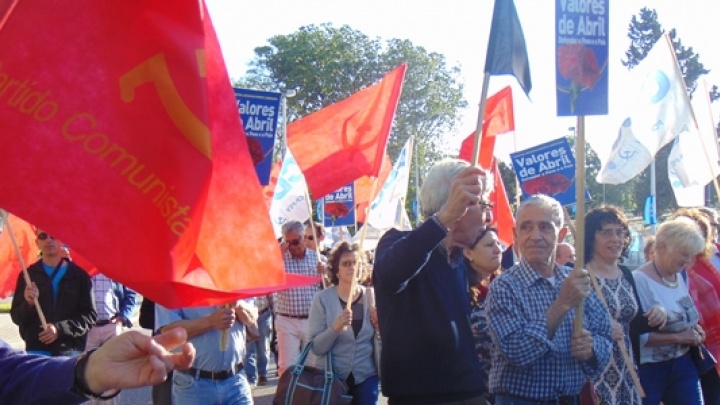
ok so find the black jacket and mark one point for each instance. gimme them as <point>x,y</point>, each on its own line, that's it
<point>428,351</point>
<point>72,313</point>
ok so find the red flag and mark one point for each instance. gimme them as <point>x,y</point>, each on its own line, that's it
<point>499,119</point>
<point>346,140</point>
<point>128,146</point>
<point>9,263</point>
<point>364,188</point>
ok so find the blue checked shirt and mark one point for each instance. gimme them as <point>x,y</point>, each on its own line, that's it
<point>526,363</point>
<point>296,302</point>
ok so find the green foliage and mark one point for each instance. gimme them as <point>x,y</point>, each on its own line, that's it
<point>328,64</point>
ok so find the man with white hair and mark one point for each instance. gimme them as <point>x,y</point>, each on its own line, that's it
<point>540,358</point>
<point>420,281</point>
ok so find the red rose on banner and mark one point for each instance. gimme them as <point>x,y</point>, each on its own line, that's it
<point>550,184</point>
<point>336,210</point>
<point>578,64</point>
<point>256,152</point>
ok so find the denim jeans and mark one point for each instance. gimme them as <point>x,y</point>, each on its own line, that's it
<point>188,390</point>
<point>365,393</point>
<point>258,353</point>
<point>672,382</point>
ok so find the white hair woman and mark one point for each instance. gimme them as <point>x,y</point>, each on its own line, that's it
<point>667,372</point>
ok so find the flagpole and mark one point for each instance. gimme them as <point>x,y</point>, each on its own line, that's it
<point>580,212</point>
<point>23,265</point>
<point>314,233</point>
<point>417,187</point>
<point>481,115</point>
<point>363,231</point>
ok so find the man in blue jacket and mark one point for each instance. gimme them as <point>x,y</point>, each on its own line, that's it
<point>428,354</point>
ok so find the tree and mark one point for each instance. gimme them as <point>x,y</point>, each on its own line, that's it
<point>327,64</point>
<point>643,33</point>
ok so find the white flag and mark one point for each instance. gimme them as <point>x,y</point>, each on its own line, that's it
<point>693,161</point>
<point>383,209</point>
<point>661,112</point>
<point>290,199</point>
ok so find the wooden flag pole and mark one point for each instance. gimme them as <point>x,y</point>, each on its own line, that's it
<point>363,232</point>
<point>315,237</point>
<point>580,212</point>
<point>224,334</point>
<point>26,276</point>
<point>481,116</point>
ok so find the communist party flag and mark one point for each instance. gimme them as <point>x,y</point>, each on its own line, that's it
<point>346,140</point>
<point>499,118</point>
<point>125,142</point>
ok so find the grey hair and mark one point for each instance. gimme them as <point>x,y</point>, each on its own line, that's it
<point>681,233</point>
<point>543,201</point>
<point>291,225</point>
<point>435,190</point>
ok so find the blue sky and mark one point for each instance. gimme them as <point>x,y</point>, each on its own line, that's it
<point>459,29</point>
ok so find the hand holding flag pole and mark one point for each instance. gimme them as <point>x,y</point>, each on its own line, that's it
<point>26,276</point>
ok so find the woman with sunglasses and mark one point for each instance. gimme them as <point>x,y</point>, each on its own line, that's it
<point>346,333</point>
<point>607,238</point>
<point>483,264</point>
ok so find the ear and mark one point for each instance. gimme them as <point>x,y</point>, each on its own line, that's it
<point>563,232</point>
<point>467,253</point>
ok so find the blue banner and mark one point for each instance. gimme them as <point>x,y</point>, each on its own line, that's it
<point>547,169</point>
<point>259,111</point>
<point>339,207</point>
<point>650,210</point>
<point>581,50</point>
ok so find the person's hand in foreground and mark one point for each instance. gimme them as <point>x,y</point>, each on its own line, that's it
<point>133,360</point>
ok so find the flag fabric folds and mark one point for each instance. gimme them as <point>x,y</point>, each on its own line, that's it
<point>499,118</point>
<point>365,186</point>
<point>661,113</point>
<point>506,52</point>
<point>129,148</point>
<point>383,210</point>
<point>290,200</point>
<point>346,140</point>
<point>693,160</point>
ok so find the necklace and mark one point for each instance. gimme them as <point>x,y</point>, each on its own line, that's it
<point>671,284</point>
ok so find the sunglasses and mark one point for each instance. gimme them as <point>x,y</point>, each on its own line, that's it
<point>293,242</point>
<point>44,235</point>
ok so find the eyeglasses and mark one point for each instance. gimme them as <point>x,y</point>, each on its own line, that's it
<point>44,235</point>
<point>609,233</point>
<point>293,242</point>
<point>348,263</point>
<point>310,237</point>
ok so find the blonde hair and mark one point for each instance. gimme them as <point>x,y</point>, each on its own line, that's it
<point>681,233</point>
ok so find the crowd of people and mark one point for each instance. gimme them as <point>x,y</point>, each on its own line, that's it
<point>462,320</point>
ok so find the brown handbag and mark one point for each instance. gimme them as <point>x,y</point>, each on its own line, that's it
<point>305,385</point>
<point>588,395</point>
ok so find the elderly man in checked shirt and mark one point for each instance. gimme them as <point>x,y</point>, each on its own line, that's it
<point>293,306</point>
<point>531,307</point>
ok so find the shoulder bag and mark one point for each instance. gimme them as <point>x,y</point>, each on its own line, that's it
<point>306,385</point>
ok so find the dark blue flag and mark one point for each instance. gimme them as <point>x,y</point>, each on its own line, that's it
<point>507,53</point>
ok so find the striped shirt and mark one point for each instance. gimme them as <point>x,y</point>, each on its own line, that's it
<point>296,302</point>
<point>526,363</point>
